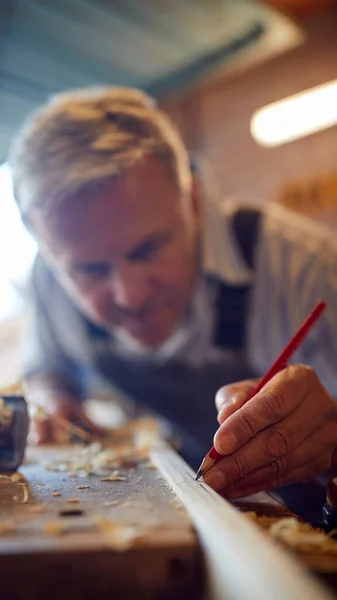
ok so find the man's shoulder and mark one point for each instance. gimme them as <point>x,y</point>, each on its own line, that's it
<point>299,231</point>
<point>231,231</point>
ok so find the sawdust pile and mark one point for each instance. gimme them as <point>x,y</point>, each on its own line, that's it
<point>296,535</point>
<point>124,447</point>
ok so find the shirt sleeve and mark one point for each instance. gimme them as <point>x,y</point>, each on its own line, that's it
<point>43,351</point>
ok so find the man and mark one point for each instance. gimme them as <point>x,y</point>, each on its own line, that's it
<point>164,295</point>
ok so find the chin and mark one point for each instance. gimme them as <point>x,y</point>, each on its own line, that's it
<point>151,337</point>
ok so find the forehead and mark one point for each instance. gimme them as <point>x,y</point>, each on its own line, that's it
<point>140,202</point>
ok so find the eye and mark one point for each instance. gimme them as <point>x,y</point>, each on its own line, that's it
<point>91,272</point>
<point>144,252</point>
<point>148,249</point>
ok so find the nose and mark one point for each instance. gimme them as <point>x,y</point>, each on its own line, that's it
<point>130,287</point>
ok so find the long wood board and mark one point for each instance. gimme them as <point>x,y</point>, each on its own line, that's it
<point>240,561</point>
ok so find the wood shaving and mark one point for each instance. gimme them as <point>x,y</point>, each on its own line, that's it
<point>295,535</point>
<point>16,477</point>
<point>40,483</point>
<point>177,504</point>
<point>73,500</point>
<point>16,498</point>
<point>117,537</point>
<point>113,478</point>
<point>37,509</point>
<point>150,466</point>
<point>83,487</point>
<point>110,503</point>
<point>134,441</point>
<point>53,528</point>
<point>25,493</point>
<point>56,493</point>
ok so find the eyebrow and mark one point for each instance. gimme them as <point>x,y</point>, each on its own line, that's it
<point>155,240</point>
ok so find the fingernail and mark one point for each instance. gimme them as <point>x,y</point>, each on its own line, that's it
<point>215,479</point>
<point>225,442</point>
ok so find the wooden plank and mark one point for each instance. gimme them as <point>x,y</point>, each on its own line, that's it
<point>240,561</point>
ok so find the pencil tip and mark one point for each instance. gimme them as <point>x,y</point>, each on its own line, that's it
<point>199,474</point>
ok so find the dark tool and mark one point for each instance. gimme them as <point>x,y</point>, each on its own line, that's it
<point>14,422</point>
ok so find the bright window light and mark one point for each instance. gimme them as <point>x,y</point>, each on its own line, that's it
<point>296,117</point>
<point>17,248</point>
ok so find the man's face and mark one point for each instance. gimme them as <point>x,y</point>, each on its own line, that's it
<point>128,256</point>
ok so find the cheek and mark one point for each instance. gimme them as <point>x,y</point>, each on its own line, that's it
<point>177,270</point>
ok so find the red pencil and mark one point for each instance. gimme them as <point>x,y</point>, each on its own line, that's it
<point>213,456</point>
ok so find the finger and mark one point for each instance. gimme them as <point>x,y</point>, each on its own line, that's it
<point>303,474</point>
<point>236,470</point>
<point>229,393</point>
<point>60,434</point>
<point>231,403</point>
<point>275,442</point>
<point>279,398</point>
<point>40,432</point>
<point>72,413</point>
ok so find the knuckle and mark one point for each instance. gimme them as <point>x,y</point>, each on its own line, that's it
<point>248,424</point>
<point>240,466</point>
<point>276,443</point>
<point>276,470</point>
<point>273,405</point>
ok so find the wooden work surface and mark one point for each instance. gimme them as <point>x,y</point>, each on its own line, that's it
<point>55,548</point>
<point>84,560</point>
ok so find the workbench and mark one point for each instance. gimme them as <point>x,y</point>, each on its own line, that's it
<point>73,535</point>
<point>65,552</point>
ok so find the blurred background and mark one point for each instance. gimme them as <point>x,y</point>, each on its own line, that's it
<point>252,87</point>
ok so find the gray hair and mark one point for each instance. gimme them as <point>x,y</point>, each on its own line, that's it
<point>84,138</point>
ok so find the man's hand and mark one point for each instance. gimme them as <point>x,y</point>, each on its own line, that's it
<point>285,434</point>
<point>59,407</point>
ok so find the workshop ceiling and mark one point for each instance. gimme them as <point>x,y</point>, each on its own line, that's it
<point>161,46</point>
